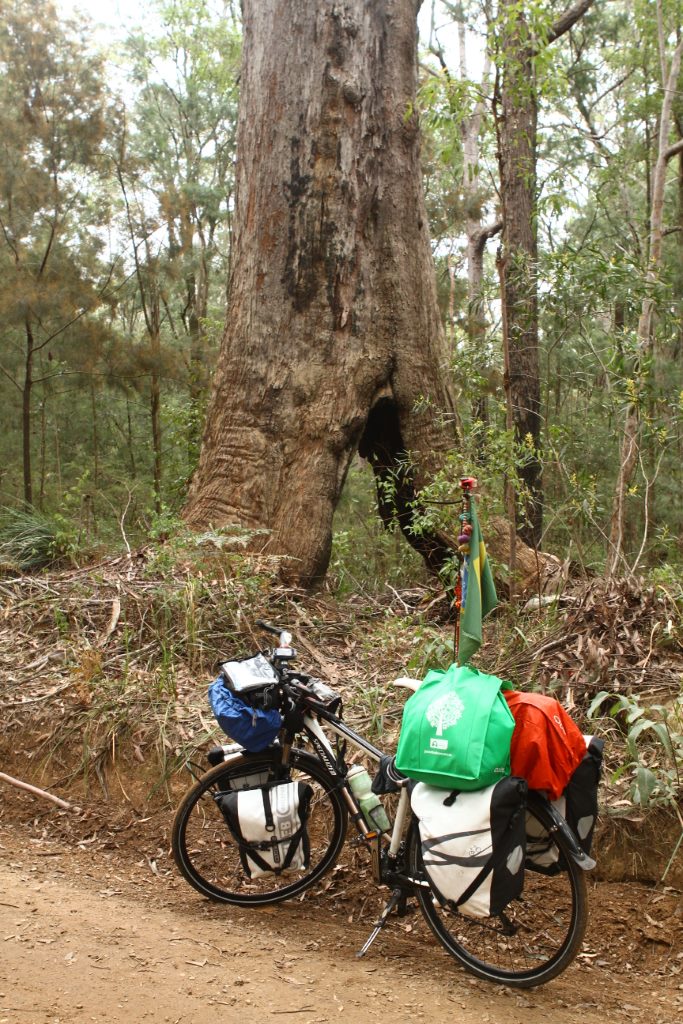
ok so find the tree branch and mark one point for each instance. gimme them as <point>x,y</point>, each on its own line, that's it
<point>484,234</point>
<point>10,378</point>
<point>491,229</point>
<point>674,150</point>
<point>83,312</point>
<point>18,784</point>
<point>10,242</point>
<point>568,20</point>
<point>437,52</point>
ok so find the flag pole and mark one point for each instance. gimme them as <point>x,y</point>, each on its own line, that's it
<point>468,485</point>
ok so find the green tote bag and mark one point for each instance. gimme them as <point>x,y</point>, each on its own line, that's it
<point>456,731</point>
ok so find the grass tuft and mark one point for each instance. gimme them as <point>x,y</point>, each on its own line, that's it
<point>31,540</point>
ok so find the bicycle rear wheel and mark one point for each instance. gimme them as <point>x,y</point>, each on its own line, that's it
<point>539,933</point>
<point>207,855</point>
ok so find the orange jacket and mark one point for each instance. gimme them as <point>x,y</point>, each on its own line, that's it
<point>547,747</point>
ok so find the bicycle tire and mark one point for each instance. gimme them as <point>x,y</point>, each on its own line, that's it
<point>207,855</point>
<point>549,920</point>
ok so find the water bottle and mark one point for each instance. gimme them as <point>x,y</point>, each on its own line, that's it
<point>370,804</point>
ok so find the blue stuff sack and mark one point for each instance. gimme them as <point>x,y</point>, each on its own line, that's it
<point>253,728</point>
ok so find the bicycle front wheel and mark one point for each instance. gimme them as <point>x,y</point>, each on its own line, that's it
<point>207,855</point>
<point>539,933</point>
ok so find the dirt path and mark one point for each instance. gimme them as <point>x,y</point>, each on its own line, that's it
<point>86,936</point>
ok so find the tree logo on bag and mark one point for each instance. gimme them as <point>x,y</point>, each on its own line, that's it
<point>444,712</point>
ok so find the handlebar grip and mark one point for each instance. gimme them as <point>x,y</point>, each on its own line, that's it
<point>268,628</point>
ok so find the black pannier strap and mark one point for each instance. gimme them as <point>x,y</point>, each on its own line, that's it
<point>248,849</point>
<point>268,811</point>
<point>488,864</point>
<point>495,861</point>
<point>489,860</point>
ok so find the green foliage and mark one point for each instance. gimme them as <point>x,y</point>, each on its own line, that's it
<point>431,649</point>
<point>81,275</point>
<point>32,540</point>
<point>653,747</point>
<point>366,554</point>
<point>53,275</point>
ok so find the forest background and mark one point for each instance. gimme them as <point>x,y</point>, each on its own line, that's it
<point>117,177</point>
<point>116,199</point>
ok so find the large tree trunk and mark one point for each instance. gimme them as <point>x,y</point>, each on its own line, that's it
<point>516,117</point>
<point>333,341</point>
<point>516,114</point>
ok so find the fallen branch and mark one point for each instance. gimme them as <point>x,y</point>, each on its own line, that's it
<point>36,792</point>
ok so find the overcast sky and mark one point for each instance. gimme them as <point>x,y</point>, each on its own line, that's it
<point>120,15</point>
<point>116,16</point>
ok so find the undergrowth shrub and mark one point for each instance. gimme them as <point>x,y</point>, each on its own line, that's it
<point>31,540</point>
<point>649,738</point>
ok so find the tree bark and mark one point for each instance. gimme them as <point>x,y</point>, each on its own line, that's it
<point>333,341</point>
<point>477,233</point>
<point>26,414</point>
<point>516,121</point>
<point>155,413</point>
<point>630,441</point>
<point>516,115</point>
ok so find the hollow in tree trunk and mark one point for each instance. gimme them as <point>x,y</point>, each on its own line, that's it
<point>333,341</point>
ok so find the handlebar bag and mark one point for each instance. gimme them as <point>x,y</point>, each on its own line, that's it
<point>473,844</point>
<point>249,674</point>
<point>269,826</point>
<point>252,727</point>
<point>456,731</point>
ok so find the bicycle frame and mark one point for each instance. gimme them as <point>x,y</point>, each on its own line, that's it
<point>528,943</point>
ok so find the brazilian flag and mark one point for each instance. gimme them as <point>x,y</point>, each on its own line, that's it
<point>478,592</point>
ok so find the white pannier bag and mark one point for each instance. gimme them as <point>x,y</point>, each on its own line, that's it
<point>473,844</point>
<point>578,805</point>
<point>269,826</point>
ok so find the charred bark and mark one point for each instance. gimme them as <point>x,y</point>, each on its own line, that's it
<point>333,336</point>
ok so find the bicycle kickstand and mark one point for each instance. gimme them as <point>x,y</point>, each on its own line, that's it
<point>394,900</point>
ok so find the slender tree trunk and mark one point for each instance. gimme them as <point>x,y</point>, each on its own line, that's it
<point>197,373</point>
<point>515,107</point>
<point>508,487</point>
<point>155,415</point>
<point>196,296</point>
<point>149,290</point>
<point>95,438</point>
<point>43,454</point>
<point>477,233</point>
<point>333,341</point>
<point>131,443</point>
<point>630,441</point>
<point>58,463</point>
<point>26,414</point>
<point>516,122</point>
